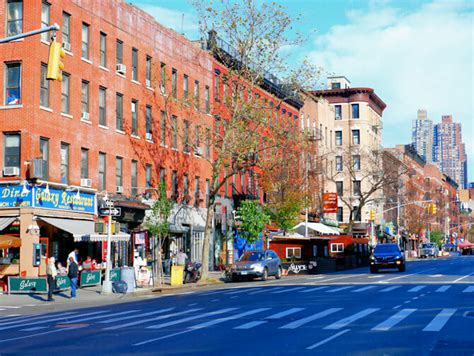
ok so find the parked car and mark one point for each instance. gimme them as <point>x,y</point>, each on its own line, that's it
<point>253,264</point>
<point>428,250</point>
<point>387,256</point>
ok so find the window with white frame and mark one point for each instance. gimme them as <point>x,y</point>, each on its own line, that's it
<point>293,252</point>
<point>45,15</point>
<point>337,247</point>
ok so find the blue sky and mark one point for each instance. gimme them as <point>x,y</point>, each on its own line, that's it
<point>414,53</point>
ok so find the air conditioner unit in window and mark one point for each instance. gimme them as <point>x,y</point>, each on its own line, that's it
<point>149,136</point>
<point>198,151</point>
<point>67,46</point>
<point>119,189</point>
<point>11,171</point>
<point>121,68</point>
<point>148,83</point>
<point>85,116</point>
<point>86,182</point>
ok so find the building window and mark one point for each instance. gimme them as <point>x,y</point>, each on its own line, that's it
<point>163,78</point>
<point>338,112</point>
<point>44,87</point>
<point>356,188</point>
<point>148,123</point>
<point>340,189</point>
<point>207,104</point>
<point>163,176</point>
<point>186,136</point>
<point>355,111</point>
<point>174,132</point>
<point>340,212</point>
<point>357,213</point>
<point>84,163</point>
<point>196,191</point>
<point>356,162</point>
<point>64,163</point>
<point>14,17</point>
<point>186,188</point>
<point>103,49</point>
<point>339,163</point>
<point>148,71</point>
<point>13,83</point>
<point>44,153</point>
<point>134,117</point>
<point>135,64</point>
<point>197,138</point>
<point>185,87</point>
<point>85,41</point>
<point>335,85</point>
<point>208,143</point>
<point>174,186</point>
<point>102,167</point>
<point>45,18</point>
<point>119,112</point>
<point>356,137</point>
<point>242,182</point>
<point>65,86</point>
<point>102,106</point>
<point>162,128</point>
<point>66,29</point>
<point>338,138</point>
<point>118,172</point>
<point>216,86</point>
<point>337,247</point>
<point>207,187</point>
<point>11,157</point>
<point>196,93</point>
<point>134,177</point>
<point>85,97</point>
<point>148,182</point>
<point>119,52</point>
<point>174,83</point>
<point>293,252</point>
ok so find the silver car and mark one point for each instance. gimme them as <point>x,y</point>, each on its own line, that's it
<point>253,264</point>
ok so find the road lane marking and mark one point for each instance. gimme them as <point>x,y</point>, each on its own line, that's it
<point>9,307</point>
<point>135,316</point>
<point>192,304</point>
<point>35,328</point>
<point>372,277</point>
<point>318,277</point>
<point>460,279</point>
<point>389,289</point>
<point>19,324</point>
<point>241,291</point>
<point>297,323</point>
<point>416,289</point>
<point>79,318</point>
<point>397,306</point>
<point>338,289</point>
<point>362,289</point>
<point>161,317</point>
<point>469,289</point>
<point>265,290</point>
<point>311,289</point>
<point>328,339</point>
<point>222,320</point>
<point>442,289</point>
<point>250,325</point>
<point>287,290</point>
<point>394,320</point>
<point>39,334</point>
<point>395,278</point>
<point>336,278</point>
<point>189,318</point>
<point>215,300</point>
<point>284,313</point>
<point>346,321</point>
<point>440,320</point>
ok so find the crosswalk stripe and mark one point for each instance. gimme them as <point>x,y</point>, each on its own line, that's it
<point>393,320</point>
<point>284,313</point>
<point>338,289</point>
<point>9,307</point>
<point>143,321</point>
<point>241,291</point>
<point>389,289</point>
<point>265,290</point>
<point>442,289</point>
<point>135,316</point>
<point>287,290</point>
<point>79,318</point>
<point>311,290</point>
<point>189,318</point>
<point>250,325</point>
<point>416,289</point>
<point>346,321</point>
<point>297,323</point>
<point>38,320</point>
<point>34,328</point>
<point>362,289</point>
<point>469,289</point>
<point>440,320</point>
<point>222,320</point>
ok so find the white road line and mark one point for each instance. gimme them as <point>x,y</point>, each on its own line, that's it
<point>192,304</point>
<point>297,323</point>
<point>284,313</point>
<point>2,309</point>
<point>311,289</point>
<point>395,278</point>
<point>469,289</point>
<point>250,325</point>
<point>393,320</point>
<point>39,334</point>
<point>38,320</point>
<point>440,320</point>
<point>216,292</point>
<point>143,321</point>
<point>336,278</point>
<point>362,289</point>
<point>346,321</point>
<point>442,289</point>
<point>338,289</point>
<point>79,318</point>
<point>397,306</point>
<point>241,291</point>
<point>416,289</point>
<point>318,277</point>
<point>460,279</point>
<point>189,318</point>
<point>265,290</point>
<point>371,277</point>
<point>222,320</point>
<point>215,300</point>
<point>135,316</point>
<point>328,339</point>
<point>287,290</point>
<point>9,307</point>
<point>34,328</point>
<point>389,289</point>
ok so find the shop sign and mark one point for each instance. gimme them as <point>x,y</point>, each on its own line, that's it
<point>300,267</point>
<point>27,285</point>
<point>63,282</point>
<point>90,278</point>
<point>115,274</point>
<point>64,200</point>
<point>15,196</point>
<point>330,203</point>
<point>140,238</point>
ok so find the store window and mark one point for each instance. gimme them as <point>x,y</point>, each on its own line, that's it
<point>293,252</point>
<point>337,247</point>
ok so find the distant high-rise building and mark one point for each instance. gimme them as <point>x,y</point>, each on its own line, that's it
<point>448,150</point>
<point>422,136</point>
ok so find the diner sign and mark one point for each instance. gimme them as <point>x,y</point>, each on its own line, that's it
<point>27,285</point>
<point>90,278</point>
<point>14,196</point>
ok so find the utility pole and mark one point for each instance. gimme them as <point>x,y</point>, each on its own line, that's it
<point>54,28</point>
<point>107,285</point>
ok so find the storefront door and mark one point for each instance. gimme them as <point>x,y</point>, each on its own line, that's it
<point>44,243</point>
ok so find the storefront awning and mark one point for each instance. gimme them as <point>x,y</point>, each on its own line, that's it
<point>5,221</point>
<point>74,227</point>
<point>101,237</point>
<point>317,228</point>
<point>8,241</point>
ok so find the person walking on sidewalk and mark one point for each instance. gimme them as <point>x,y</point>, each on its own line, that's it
<point>51,273</point>
<point>72,274</point>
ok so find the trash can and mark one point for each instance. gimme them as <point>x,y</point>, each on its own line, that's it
<point>177,275</point>
<point>127,274</point>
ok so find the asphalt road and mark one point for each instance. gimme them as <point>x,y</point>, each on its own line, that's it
<point>428,310</point>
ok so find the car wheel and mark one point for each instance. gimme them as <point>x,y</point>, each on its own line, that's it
<point>235,278</point>
<point>402,268</point>
<point>265,274</point>
<point>278,275</point>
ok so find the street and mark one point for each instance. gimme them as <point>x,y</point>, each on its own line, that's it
<point>428,310</point>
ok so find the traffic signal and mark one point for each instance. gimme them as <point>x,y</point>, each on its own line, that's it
<point>434,209</point>
<point>372,215</point>
<point>55,66</point>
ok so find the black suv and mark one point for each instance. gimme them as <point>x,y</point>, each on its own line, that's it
<point>387,256</point>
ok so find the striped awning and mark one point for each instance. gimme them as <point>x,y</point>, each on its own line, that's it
<point>5,221</point>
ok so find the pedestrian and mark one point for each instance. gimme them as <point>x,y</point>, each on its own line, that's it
<point>181,258</point>
<point>51,273</point>
<point>72,274</point>
<point>73,254</point>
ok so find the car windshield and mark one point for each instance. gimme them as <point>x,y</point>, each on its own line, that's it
<point>252,256</point>
<point>386,248</point>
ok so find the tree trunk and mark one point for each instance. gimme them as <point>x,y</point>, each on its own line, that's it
<point>157,268</point>
<point>205,243</point>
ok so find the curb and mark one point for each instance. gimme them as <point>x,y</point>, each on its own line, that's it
<point>169,289</point>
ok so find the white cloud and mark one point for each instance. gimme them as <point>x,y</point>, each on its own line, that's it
<point>174,19</point>
<point>418,59</point>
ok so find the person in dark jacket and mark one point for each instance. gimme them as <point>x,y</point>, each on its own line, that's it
<point>72,274</point>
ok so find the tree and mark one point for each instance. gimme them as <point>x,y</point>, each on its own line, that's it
<point>437,237</point>
<point>251,220</point>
